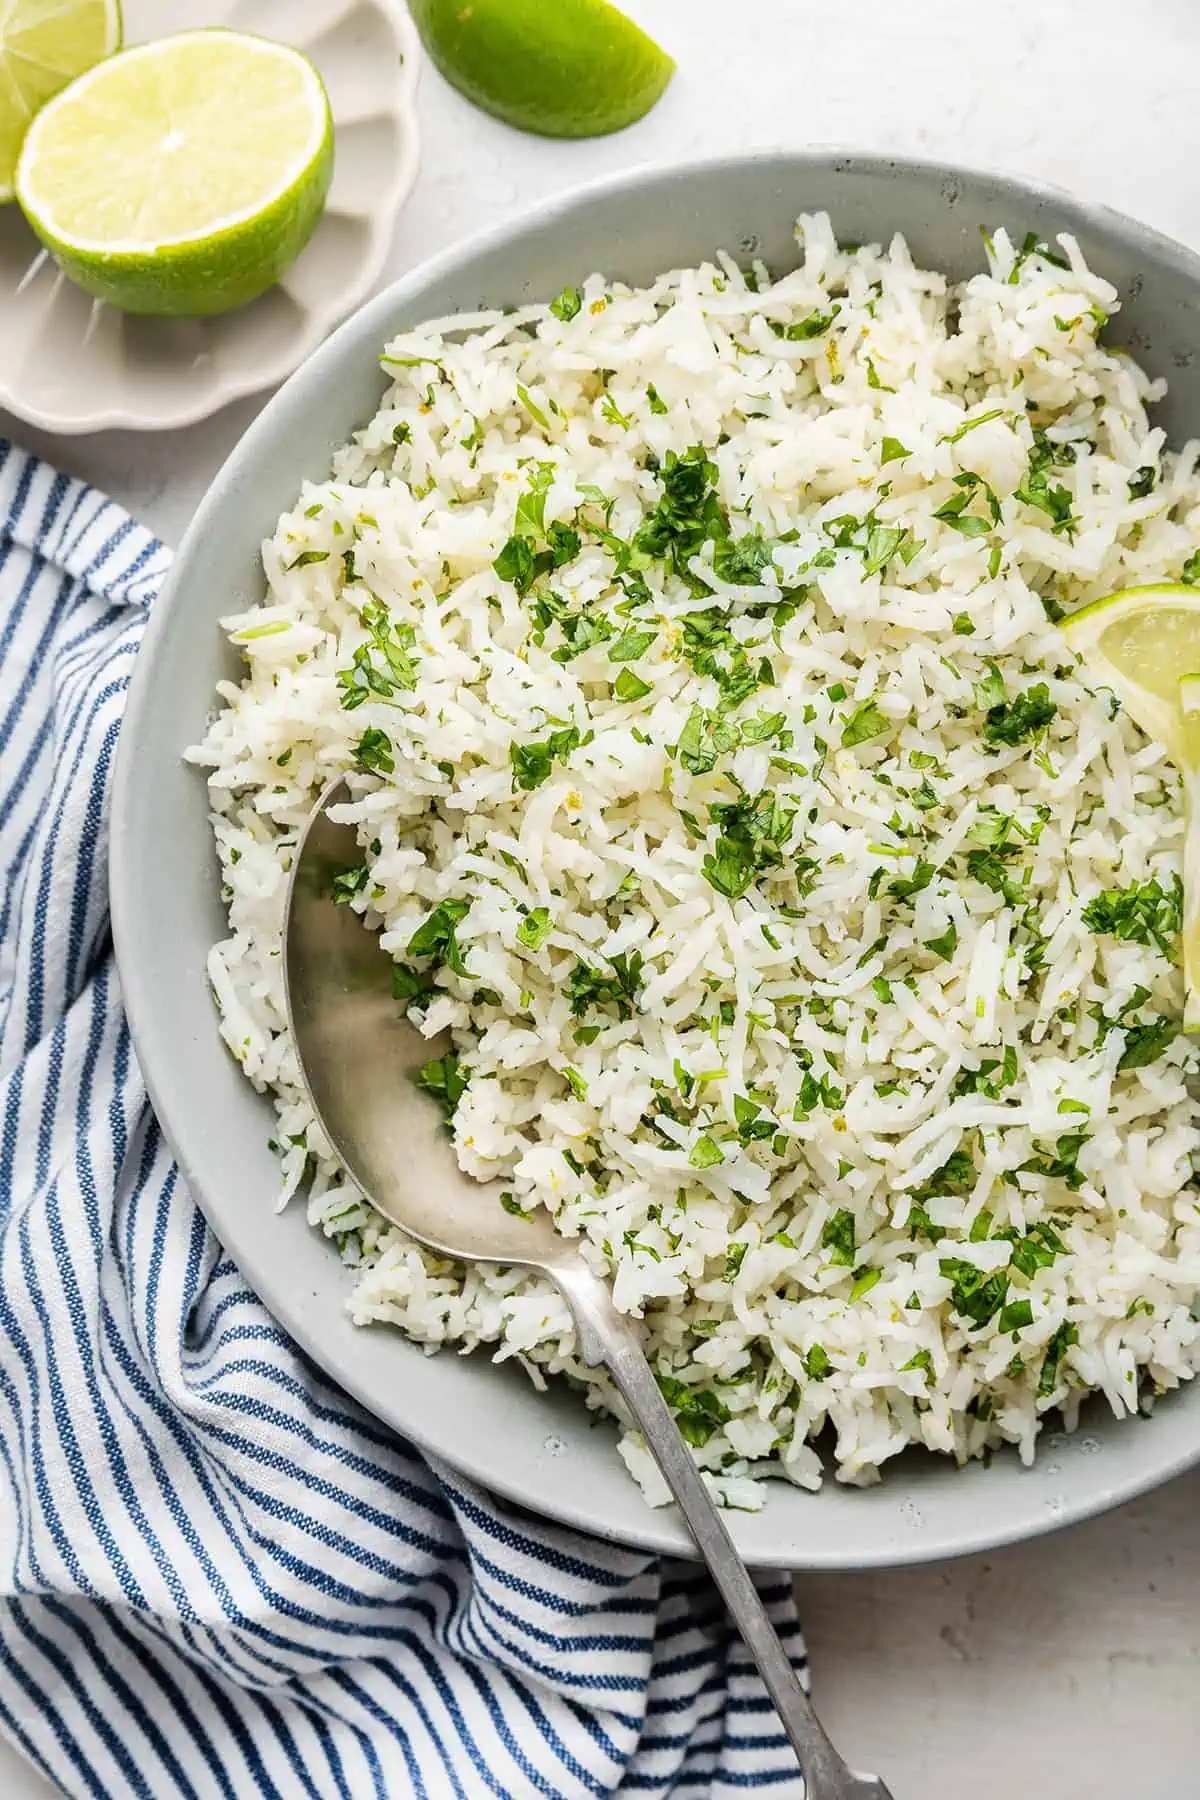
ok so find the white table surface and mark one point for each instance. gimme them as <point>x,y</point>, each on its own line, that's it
<point>1069,1669</point>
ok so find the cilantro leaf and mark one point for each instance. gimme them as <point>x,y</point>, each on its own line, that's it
<point>567,304</point>
<point>349,883</point>
<point>975,1294</point>
<point>535,928</point>
<point>1011,722</point>
<point>446,1079</point>
<point>1143,913</point>
<point>381,667</point>
<point>630,645</point>
<point>838,1237</point>
<point>531,763</point>
<point>588,986</point>
<point>1144,1044</point>
<point>804,329</point>
<point>436,938</point>
<point>1066,1335</point>
<point>864,723</point>
<point>374,751</point>
<point>629,686</point>
<point>698,1411</point>
<point>705,1153</point>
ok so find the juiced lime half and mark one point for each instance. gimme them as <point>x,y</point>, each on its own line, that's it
<point>1144,643</point>
<point>44,44</point>
<point>564,68</point>
<point>184,176</point>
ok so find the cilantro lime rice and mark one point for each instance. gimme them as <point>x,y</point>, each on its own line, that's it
<point>806,926</point>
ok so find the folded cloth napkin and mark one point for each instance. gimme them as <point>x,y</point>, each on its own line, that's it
<point>221,1578</point>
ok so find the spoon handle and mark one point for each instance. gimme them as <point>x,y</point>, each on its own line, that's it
<point>606,1336</point>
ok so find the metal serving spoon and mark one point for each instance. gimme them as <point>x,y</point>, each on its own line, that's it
<point>356,1053</point>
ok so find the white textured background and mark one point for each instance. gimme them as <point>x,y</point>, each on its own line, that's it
<point>1069,1670</point>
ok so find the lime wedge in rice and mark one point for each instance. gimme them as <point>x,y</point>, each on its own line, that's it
<point>44,45</point>
<point>182,177</point>
<point>562,68</point>
<point>1144,644</point>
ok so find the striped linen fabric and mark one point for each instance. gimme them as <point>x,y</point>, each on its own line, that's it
<point>223,1580</point>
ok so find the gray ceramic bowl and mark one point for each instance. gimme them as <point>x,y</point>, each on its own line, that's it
<point>543,1450</point>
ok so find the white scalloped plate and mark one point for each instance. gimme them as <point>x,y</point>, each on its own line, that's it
<point>69,364</point>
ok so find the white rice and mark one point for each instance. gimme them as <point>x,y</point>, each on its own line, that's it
<point>928,1063</point>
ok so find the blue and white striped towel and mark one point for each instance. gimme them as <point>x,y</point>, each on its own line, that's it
<point>222,1580</point>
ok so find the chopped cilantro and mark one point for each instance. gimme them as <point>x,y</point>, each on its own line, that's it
<point>535,928</point>
<point>838,1237</point>
<point>905,886</point>
<point>512,1205</point>
<point>630,645</point>
<point>945,945</point>
<point>864,1281</point>
<point>1066,1335</point>
<point>410,985</point>
<point>436,938</point>
<point>611,412</point>
<point>698,1411</point>
<point>1143,913</point>
<point>705,1153</point>
<point>445,1078</point>
<point>742,560</point>
<point>1142,481</point>
<point>975,1294</point>
<point>752,831</point>
<point>374,751</point>
<point>629,686</point>
<point>532,408</point>
<point>735,1256</point>
<point>816,1362</point>
<point>349,883</point>
<point>892,450</point>
<point>1037,490</point>
<point>531,763</point>
<point>656,405</point>
<point>1016,1315</point>
<point>804,329</point>
<point>864,723</point>
<point>567,304</point>
<point>953,437</point>
<point>1144,1044</point>
<point>381,667</point>
<point>1027,716</point>
<point>588,986</point>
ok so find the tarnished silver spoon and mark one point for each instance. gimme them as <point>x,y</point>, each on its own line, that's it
<point>356,1052</point>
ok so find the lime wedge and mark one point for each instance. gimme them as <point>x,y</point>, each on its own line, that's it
<point>184,176</point>
<point>44,44</point>
<point>563,68</point>
<point>1144,643</point>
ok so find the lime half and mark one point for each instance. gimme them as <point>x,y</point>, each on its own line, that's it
<point>564,68</point>
<point>1144,643</point>
<point>184,176</point>
<point>44,44</point>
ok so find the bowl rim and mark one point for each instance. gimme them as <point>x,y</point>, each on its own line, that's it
<point>394,191</point>
<point>661,1531</point>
